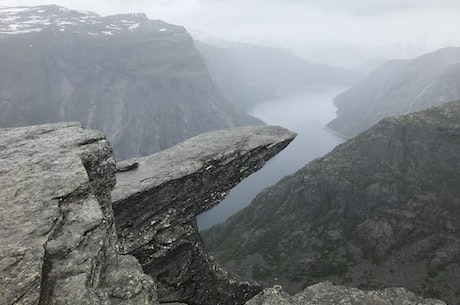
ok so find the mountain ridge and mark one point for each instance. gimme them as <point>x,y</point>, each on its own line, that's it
<point>380,210</point>
<point>398,87</point>
<point>62,243</point>
<point>139,81</point>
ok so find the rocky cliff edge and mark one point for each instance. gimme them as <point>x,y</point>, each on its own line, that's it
<point>59,244</point>
<point>68,235</point>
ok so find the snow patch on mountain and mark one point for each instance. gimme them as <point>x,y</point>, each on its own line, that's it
<point>23,20</point>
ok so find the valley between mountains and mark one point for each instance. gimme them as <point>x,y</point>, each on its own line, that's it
<point>119,131</point>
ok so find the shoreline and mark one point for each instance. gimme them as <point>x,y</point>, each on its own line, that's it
<point>336,133</point>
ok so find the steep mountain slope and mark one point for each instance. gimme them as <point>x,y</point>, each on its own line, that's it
<point>249,74</point>
<point>140,81</point>
<point>380,210</point>
<point>61,242</point>
<point>399,87</point>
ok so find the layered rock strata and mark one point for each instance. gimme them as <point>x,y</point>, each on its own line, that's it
<point>155,205</point>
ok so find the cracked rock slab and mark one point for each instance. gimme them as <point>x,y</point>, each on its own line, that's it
<point>57,235</point>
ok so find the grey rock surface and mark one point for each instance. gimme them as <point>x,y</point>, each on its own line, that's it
<point>399,87</point>
<point>325,293</point>
<point>59,245</point>
<point>140,81</point>
<point>57,234</point>
<point>380,210</point>
<point>155,205</point>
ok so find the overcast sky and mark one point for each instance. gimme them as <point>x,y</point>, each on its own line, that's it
<point>335,31</point>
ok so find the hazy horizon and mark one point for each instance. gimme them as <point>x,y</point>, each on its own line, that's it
<point>328,31</point>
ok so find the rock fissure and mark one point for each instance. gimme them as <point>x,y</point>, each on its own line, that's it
<point>45,286</point>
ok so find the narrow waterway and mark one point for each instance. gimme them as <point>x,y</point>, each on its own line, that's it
<point>305,112</point>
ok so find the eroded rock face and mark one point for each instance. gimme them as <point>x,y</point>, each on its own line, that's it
<point>57,234</point>
<point>140,81</point>
<point>326,293</point>
<point>155,205</point>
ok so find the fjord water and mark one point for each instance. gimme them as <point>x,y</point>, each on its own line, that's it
<point>305,112</point>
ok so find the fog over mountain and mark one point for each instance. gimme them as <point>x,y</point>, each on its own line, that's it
<point>80,224</point>
<point>335,32</point>
<point>249,74</point>
<point>140,81</point>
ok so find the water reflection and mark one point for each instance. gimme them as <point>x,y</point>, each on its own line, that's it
<point>305,112</point>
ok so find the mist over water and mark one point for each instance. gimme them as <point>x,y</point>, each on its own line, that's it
<point>305,112</point>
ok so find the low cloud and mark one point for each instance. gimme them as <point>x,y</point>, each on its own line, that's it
<point>302,25</point>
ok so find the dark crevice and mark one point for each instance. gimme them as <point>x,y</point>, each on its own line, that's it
<point>89,141</point>
<point>46,286</point>
<point>47,283</point>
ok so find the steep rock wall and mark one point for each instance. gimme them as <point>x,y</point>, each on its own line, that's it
<point>57,233</point>
<point>140,81</point>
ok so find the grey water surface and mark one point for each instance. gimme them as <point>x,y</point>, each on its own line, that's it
<point>305,112</point>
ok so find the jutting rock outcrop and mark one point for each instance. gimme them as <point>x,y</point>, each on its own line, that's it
<point>58,235</point>
<point>156,202</point>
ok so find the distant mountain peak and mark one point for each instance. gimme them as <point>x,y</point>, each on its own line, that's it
<point>23,20</point>
<point>140,81</point>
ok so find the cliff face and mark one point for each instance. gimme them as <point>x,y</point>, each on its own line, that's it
<point>57,237</point>
<point>380,210</point>
<point>399,87</point>
<point>139,81</point>
<point>58,233</point>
